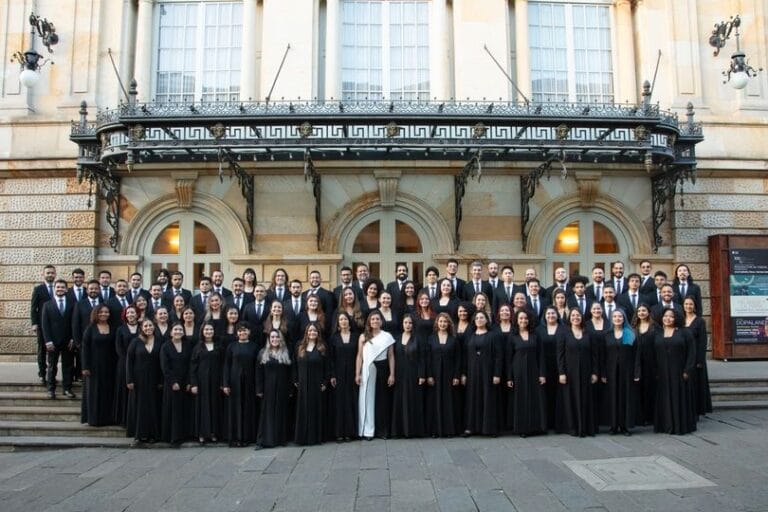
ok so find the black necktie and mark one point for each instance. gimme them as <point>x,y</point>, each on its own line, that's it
<point>280,294</point>
<point>610,310</point>
<point>135,293</point>
<point>105,293</point>
<point>93,303</point>
<point>122,302</point>
<point>258,310</point>
<point>432,292</point>
<point>581,304</point>
<point>634,300</point>
<point>296,306</point>
<point>61,306</point>
<point>79,293</point>
<point>618,287</point>
<point>237,301</point>
<point>536,305</point>
<point>682,290</point>
<point>509,292</point>
<point>477,287</point>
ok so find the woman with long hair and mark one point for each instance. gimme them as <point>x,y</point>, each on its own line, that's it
<point>162,325</point>
<point>560,303</point>
<point>98,363</point>
<point>675,362</point>
<point>312,376</point>
<point>273,382</point>
<point>597,326</point>
<point>424,319</point>
<point>344,398</point>
<point>141,307</point>
<point>351,306</point>
<point>646,328</point>
<point>577,368</point>
<point>481,303</point>
<point>276,320</point>
<point>215,311</point>
<point>372,288</point>
<point>446,301</point>
<point>505,328</point>
<point>700,378</point>
<point>550,334</point>
<point>391,319</point>
<point>408,395</point>
<point>313,314</point>
<point>174,361</point>
<point>144,380</point>
<point>229,335</point>
<point>484,368</point>
<point>191,330</point>
<point>620,375</point>
<point>249,281</point>
<point>177,308</point>
<point>463,329</point>
<point>239,385</point>
<point>408,298</point>
<point>526,377</point>
<point>374,374</point>
<point>205,385</point>
<point>127,331</point>
<point>443,370</point>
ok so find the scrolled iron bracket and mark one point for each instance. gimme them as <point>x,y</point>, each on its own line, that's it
<point>107,189</point>
<point>663,190</point>
<point>310,173</point>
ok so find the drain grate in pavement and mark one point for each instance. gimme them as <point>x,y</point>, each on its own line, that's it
<point>636,474</point>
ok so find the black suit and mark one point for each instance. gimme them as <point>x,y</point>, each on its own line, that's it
<point>566,287</point>
<point>616,307</point>
<point>648,286</point>
<point>458,288</point>
<point>573,302</point>
<point>485,287</point>
<point>110,293</point>
<point>40,295</point>
<point>657,311</point>
<point>57,329</point>
<point>224,292</point>
<point>115,310</point>
<point>326,299</point>
<point>197,304</point>
<point>141,293</point>
<point>73,296</point>
<point>81,318</point>
<point>150,312</point>
<point>170,294</point>
<point>537,315</point>
<point>245,299</point>
<point>500,296</point>
<point>255,321</point>
<point>590,292</point>
<point>693,290</point>
<point>625,301</point>
<point>623,285</point>
<point>393,288</point>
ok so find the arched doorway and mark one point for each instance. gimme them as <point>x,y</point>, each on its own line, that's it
<point>581,240</point>
<point>383,238</point>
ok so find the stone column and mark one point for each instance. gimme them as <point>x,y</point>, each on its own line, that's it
<point>626,88</point>
<point>522,50</point>
<point>439,33</point>
<point>143,69</point>
<point>126,56</point>
<point>332,49</point>
<point>249,80</point>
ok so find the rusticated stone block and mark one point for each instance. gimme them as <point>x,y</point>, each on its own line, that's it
<point>40,256</point>
<point>75,187</point>
<point>17,307</point>
<point>79,237</point>
<point>32,274</point>
<point>692,253</point>
<point>37,186</point>
<point>16,291</point>
<point>38,203</point>
<point>18,345</point>
<point>14,328</point>
<point>78,220</point>
<point>33,238</point>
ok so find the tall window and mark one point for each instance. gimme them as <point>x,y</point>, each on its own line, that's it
<point>570,52</point>
<point>198,51</point>
<point>385,49</point>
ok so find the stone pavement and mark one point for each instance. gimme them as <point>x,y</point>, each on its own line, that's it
<point>721,467</point>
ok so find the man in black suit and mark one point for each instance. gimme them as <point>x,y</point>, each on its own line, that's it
<point>57,333</point>
<point>199,301</point>
<point>493,274</point>
<point>278,289</point>
<point>136,290</point>
<point>118,303</point>
<point>659,280</point>
<point>646,278</point>
<point>293,305</point>
<point>105,282</point>
<point>326,297</point>
<point>255,312</point>
<point>176,288</point>
<point>536,301</point>
<point>632,298</point>
<point>595,290</point>
<point>345,281</point>
<point>617,277</point>
<point>667,302</point>
<point>506,291</point>
<point>239,298</point>
<point>685,287</point>
<point>394,287</point>
<point>476,284</point>
<point>217,282</point>
<point>579,299</point>
<point>77,290</point>
<point>41,294</point>
<point>362,273</point>
<point>430,283</point>
<point>451,268</point>
<point>81,316</point>
<point>561,281</point>
<point>164,278</point>
<point>610,304</point>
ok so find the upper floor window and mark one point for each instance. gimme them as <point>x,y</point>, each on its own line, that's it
<point>571,58</point>
<point>198,51</point>
<point>385,49</point>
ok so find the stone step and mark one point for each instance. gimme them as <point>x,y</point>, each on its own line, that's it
<point>723,394</point>
<point>39,413</point>
<point>37,399</point>
<point>18,443</point>
<point>9,428</point>
<point>740,404</point>
<point>738,382</point>
<point>34,386</point>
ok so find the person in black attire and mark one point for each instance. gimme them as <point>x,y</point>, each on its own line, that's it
<point>41,294</point>
<point>408,392</point>
<point>620,374</point>
<point>145,384</point>
<point>177,405</point>
<point>675,361</point>
<point>123,337</point>
<point>700,381</point>
<point>311,378</point>
<point>239,384</point>
<point>645,328</point>
<point>344,393</point>
<point>550,334</point>
<point>577,366</point>
<point>56,324</point>
<point>526,377</point>
<point>99,358</point>
<point>205,385</point>
<point>482,373</point>
<point>443,370</point>
<point>273,385</point>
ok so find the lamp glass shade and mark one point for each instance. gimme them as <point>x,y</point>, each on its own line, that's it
<point>739,80</point>
<point>29,78</point>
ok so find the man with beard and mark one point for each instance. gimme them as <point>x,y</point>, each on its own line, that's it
<point>617,277</point>
<point>56,323</point>
<point>345,278</point>
<point>394,288</point>
<point>41,294</point>
<point>217,280</point>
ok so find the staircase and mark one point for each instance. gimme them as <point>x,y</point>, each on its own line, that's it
<point>29,419</point>
<point>739,393</point>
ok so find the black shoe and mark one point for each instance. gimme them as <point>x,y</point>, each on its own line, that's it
<point>52,395</point>
<point>69,394</point>
<point>627,433</point>
<point>466,433</point>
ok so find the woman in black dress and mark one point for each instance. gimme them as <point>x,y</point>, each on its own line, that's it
<point>276,320</point>
<point>205,385</point>
<point>408,393</point>
<point>481,303</point>
<point>239,385</point>
<point>177,406</point>
<point>344,394</point>
<point>408,298</point>
<point>700,378</point>
<point>249,281</point>
<point>162,325</point>
<point>144,380</point>
<point>506,397</point>
<point>372,287</point>
<point>577,369</point>
<point>141,307</point>
<point>519,302</point>
<point>215,311</point>
<point>597,326</point>
<point>125,333</point>
<point>424,320</point>
<point>446,301</point>
<point>484,368</point>
<point>463,329</point>
<point>177,309</point>
<point>675,361</point>
<point>549,335</point>
<point>313,314</point>
<point>351,306</point>
<point>98,363</point>
<point>273,385</point>
<point>312,376</point>
<point>443,357</point>
<point>391,319</point>
<point>526,377</point>
<point>620,374</point>
<point>560,303</point>
<point>191,328</point>
<point>646,328</point>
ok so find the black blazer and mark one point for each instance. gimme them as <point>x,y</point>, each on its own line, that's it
<point>115,310</point>
<point>81,317</point>
<point>57,327</point>
<point>590,292</point>
<point>72,295</point>
<point>625,301</point>
<point>623,285</point>
<point>326,300</point>
<point>224,292</point>
<point>657,311</point>
<point>500,295</point>
<point>573,302</point>
<point>458,290</point>
<point>168,295</point>
<point>245,299</point>
<point>40,296</point>
<point>485,287</point>
<point>537,315</point>
<point>142,293</point>
<point>693,290</point>
<point>196,303</point>
<point>648,287</point>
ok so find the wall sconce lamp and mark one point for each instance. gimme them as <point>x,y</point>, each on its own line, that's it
<point>30,60</point>
<point>739,71</point>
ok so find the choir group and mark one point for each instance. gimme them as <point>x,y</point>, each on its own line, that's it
<point>271,364</point>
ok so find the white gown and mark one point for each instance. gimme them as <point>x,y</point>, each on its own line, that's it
<point>373,350</point>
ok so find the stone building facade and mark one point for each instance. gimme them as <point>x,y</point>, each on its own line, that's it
<point>192,216</point>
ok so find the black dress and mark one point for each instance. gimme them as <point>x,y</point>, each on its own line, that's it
<point>443,366</point>
<point>451,307</point>
<point>408,395</point>
<point>392,326</point>
<point>423,328</point>
<point>312,376</point>
<point>142,368</point>
<point>273,382</point>
<point>549,349</point>
<point>484,360</point>
<point>700,377</point>
<point>99,357</point>
<point>577,360</point>
<point>240,377</point>
<point>675,355</point>
<point>621,368</point>
<point>177,405</point>
<point>123,338</point>
<point>598,389</point>
<point>344,397</point>
<point>205,374</point>
<point>525,364</point>
<point>646,408</point>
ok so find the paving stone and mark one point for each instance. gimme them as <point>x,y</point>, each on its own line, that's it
<point>341,482</point>
<point>455,499</point>
<point>373,482</point>
<point>372,504</point>
<point>548,471</point>
<point>492,501</point>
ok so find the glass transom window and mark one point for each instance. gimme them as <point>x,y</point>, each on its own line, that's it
<point>385,49</point>
<point>571,59</point>
<point>198,51</point>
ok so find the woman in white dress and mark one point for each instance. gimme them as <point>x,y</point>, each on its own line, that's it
<point>375,365</point>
